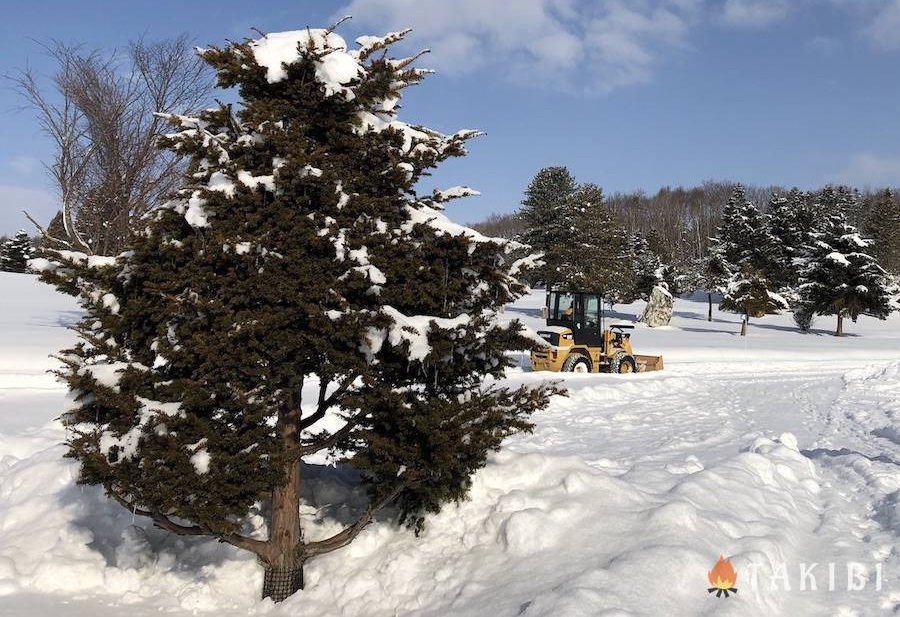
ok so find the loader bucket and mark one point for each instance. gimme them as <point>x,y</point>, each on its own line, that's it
<point>648,363</point>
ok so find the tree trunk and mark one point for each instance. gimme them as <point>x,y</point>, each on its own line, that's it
<point>744,324</point>
<point>709,297</point>
<point>840,325</point>
<point>284,568</point>
<point>284,563</point>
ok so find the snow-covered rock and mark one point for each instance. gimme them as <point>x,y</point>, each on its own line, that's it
<point>658,311</point>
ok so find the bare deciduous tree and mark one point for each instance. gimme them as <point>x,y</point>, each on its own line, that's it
<point>101,114</point>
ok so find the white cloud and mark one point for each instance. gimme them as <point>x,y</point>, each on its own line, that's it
<point>40,204</point>
<point>824,45</point>
<point>868,169</point>
<point>754,13</point>
<point>593,46</point>
<point>23,164</point>
<point>625,44</point>
<point>884,29</point>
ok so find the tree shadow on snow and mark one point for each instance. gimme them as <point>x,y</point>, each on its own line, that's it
<point>820,452</point>
<point>331,493</point>
<point>888,432</point>
<point>65,319</point>
<point>528,312</point>
<point>611,314</point>
<point>812,331</point>
<point>697,316</point>
<point>736,329</point>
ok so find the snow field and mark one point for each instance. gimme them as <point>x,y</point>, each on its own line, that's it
<point>780,448</point>
<point>572,524</point>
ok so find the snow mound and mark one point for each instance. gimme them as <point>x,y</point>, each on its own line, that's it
<point>60,538</point>
<point>557,535</point>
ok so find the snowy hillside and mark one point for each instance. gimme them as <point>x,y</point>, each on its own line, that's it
<point>777,450</point>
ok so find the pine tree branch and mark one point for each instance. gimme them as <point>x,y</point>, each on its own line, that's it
<point>345,537</point>
<point>402,64</point>
<point>334,439</point>
<point>257,547</point>
<point>324,403</point>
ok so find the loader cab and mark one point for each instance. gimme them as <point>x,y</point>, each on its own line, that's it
<point>579,311</point>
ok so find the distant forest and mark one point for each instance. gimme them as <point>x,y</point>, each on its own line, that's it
<point>680,221</point>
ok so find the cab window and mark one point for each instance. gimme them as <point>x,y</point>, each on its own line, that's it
<point>592,311</point>
<point>562,306</point>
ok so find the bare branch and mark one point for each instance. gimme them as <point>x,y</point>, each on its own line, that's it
<point>99,114</point>
<point>43,232</point>
<point>337,24</point>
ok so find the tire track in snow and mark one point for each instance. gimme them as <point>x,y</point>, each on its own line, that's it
<point>690,421</point>
<point>657,416</point>
<point>859,467</point>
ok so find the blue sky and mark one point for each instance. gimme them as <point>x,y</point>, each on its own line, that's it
<point>629,95</point>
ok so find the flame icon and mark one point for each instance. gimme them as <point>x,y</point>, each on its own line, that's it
<point>722,578</point>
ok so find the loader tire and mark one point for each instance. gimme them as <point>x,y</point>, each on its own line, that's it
<point>576,363</point>
<point>622,363</point>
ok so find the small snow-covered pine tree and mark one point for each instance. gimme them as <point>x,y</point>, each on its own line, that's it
<point>296,298</point>
<point>714,273</point>
<point>16,252</point>
<point>840,277</point>
<point>749,293</point>
<point>544,214</point>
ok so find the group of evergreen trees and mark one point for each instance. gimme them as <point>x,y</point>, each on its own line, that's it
<point>583,242</point>
<point>15,252</point>
<point>801,252</point>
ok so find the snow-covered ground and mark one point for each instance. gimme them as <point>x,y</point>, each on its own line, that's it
<point>778,450</point>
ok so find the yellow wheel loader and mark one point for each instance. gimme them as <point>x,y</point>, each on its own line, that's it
<point>577,341</point>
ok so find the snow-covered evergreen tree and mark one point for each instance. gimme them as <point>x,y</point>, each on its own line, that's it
<point>15,253</point>
<point>744,240</point>
<point>883,226</point>
<point>592,256</point>
<point>841,200</point>
<point>784,215</point>
<point>749,293</point>
<point>808,213</point>
<point>546,214</point>
<point>714,274</point>
<point>747,251</point>
<point>646,267</point>
<point>296,298</point>
<point>840,277</point>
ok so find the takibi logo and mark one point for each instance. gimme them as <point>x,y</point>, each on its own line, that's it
<point>722,578</point>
